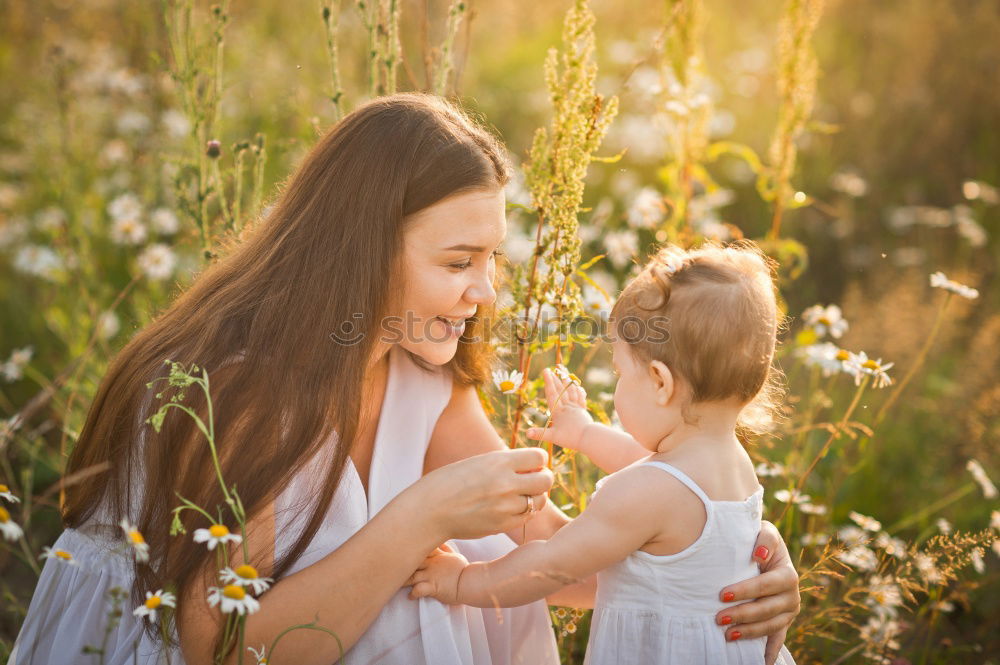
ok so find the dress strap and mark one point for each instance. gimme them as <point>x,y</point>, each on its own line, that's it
<point>683,477</point>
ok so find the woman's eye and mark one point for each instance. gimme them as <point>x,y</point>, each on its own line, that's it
<point>468,264</point>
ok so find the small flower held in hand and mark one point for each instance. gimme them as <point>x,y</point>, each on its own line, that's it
<point>567,402</point>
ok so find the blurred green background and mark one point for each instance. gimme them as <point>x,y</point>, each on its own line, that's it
<point>901,163</point>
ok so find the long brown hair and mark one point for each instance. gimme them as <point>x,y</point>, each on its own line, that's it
<point>329,251</point>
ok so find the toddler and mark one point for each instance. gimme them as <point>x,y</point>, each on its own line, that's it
<point>692,340</point>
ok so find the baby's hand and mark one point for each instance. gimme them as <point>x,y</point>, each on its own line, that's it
<point>438,576</point>
<point>568,405</point>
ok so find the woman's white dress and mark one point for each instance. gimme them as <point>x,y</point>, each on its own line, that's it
<point>70,605</point>
<point>660,609</point>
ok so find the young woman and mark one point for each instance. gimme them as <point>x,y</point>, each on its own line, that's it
<point>339,318</point>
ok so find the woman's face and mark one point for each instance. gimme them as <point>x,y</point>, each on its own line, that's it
<point>449,261</point>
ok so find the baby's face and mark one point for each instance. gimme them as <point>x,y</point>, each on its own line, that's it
<point>642,416</point>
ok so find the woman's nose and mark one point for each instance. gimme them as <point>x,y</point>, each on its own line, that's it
<point>481,291</point>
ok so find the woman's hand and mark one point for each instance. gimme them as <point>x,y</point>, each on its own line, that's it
<point>776,594</point>
<point>484,494</point>
<point>568,405</point>
<point>438,576</point>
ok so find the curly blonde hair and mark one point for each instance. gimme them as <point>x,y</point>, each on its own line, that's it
<point>718,303</point>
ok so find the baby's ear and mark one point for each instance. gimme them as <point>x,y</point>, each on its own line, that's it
<point>663,382</point>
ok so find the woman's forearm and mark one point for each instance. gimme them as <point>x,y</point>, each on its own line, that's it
<point>520,577</point>
<point>610,449</point>
<point>347,589</point>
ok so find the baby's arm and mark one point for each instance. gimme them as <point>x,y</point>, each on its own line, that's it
<point>572,427</point>
<point>622,517</point>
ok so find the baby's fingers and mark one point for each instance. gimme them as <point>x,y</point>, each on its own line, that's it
<point>421,590</point>
<point>539,433</point>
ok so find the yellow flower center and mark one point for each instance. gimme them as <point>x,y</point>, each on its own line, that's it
<point>153,602</point>
<point>64,555</point>
<point>4,515</point>
<point>234,592</point>
<point>506,385</point>
<point>247,572</point>
<point>136,537</point>
<point>218,530</point>
<point>825,321</point>
<point>4,488</point>
<point>870,364</point>
<point>843,355</point>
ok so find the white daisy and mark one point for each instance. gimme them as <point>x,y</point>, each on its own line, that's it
<point>38,260</point>
<point>507,382</point>
<point>977,561</point>
<point>215,534</point>
<point>259,655</point>
<point>164,221</point>
<point>128,231</point>
<point>927,568</point>
<point>940,281</point>
<point>825,320</point>
<point>565,375</point>
<point>233,598</point>
<point>860,364</point>
<point>176,123</point>
<point>826,356</point>
<point>621,247</point>
<point>813,539</point>
<point>985,484</point>
<point>154,601</point>
<point>51,218</point>
<point>58,555</point>
<point>6,494</point>
<point>852,535</point>
<point>849,183</point>
<point>791,496</point>
<point>764,470</point>
<point>865,522</point>
<point>884,596</point>
<point>157,261</point>
<point>10,530</point>
<point>125,206</point>
<point>647,209</point>
<point>859,557</point>
<point>892,546</point>
<point>108,325</point>
<point>245,575</point>
<point>135,540</point>
<point>813,509</point>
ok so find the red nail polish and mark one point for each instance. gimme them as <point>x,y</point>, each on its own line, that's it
<point>761,552</point>
<point>735,635</point>
<point>729,596</point>
<point>726,620</point>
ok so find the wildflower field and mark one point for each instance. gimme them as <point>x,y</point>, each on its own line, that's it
<point>856,143</point>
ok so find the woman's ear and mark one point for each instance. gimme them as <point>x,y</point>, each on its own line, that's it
<point>664,385</point>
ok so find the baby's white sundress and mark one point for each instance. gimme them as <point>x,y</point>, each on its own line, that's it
<point>69,607</point>
<point>660,609</point>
